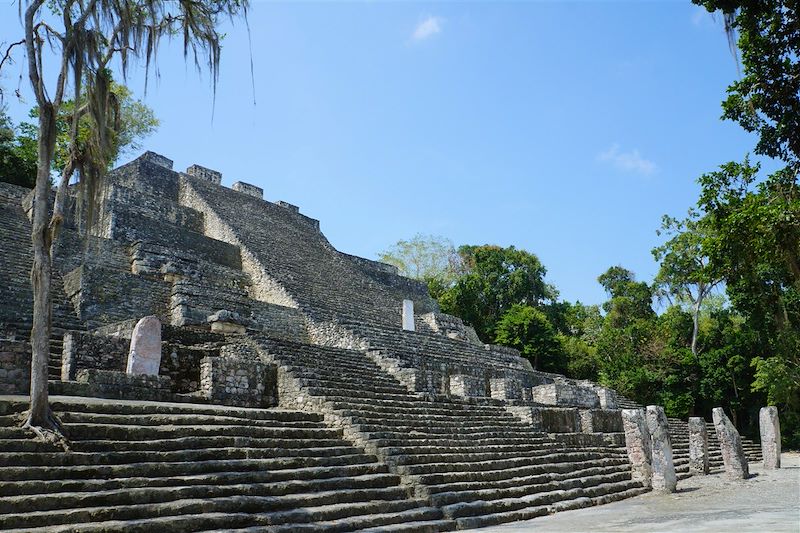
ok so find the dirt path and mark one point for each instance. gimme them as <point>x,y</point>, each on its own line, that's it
<point>767,502</point>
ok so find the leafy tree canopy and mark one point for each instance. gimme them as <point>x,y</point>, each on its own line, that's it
<point>495,279</point>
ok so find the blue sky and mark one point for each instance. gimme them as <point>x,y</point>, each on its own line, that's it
<point>564,128</point>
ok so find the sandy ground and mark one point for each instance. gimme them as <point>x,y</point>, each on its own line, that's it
<point>767,502</point>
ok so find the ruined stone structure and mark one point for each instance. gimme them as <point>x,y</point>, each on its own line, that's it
<point>391,416</point>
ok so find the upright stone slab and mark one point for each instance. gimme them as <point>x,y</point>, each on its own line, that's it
<point>637,442</point>
<point>698,446</point>
<point>408,315</point>
<point>664,477</point>
<point>144,356</point>
<point>770,437</point>
<point>731,445</point>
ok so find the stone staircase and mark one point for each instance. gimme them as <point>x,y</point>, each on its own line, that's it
<point>16,296</point>
<point>679,435</point>
<point>472,459</point>
<point>144,466</point>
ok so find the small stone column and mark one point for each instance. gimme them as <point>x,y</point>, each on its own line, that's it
<point>637,442</point>
<point>698,446</point>
<point>144,356</point>
<point>664,478</point>
<point>408,315</point>
<point>770,437</point>
<point>731,445</point>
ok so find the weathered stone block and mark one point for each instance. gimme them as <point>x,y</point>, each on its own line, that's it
<point>770,426</point>
<point>731,445</point>
<point>158,159</point>
<point>664,477</point>
<point>606,397</point>
<point>248,189</point>
<point>638,445</point>
<point>505,388</point>
<point>601,421</point>
<point>204,173</point>
<point>287,205</point>
<point>467,386</point>
<point>698,446</point>
<point>564,393</point>
<point>145,353</point>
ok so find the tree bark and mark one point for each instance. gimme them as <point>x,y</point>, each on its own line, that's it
<point>41,272</point>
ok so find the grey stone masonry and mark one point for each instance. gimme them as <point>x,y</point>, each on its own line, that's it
<point>85,350</point>
<point>250,190</point>
<point>15,367</point>
<point>238,379</point>
<point>505,388</point>
<point>601,421</point>
<point>770,436</point>
<point>637,442</point>
<point>664,477</point>
<point>287,205</point>
<point>467,386</point>
<point>204,173</point>
<point>698,446</point>
<point>730,443</point>
<point>565,393</point>
<point>158,159</point>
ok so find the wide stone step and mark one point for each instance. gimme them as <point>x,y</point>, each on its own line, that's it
<point>593,489</point>
<point>498,464</point>
<point>534,444</point>
<point>369,489</point>
<point>333,392</point>
<point>329,375</point>
<point>387,440</point>
<point>205,513</point>
<point>127,457</point>
<point>440,426</point>
<point>134,432</point>
<point>477,455</point>
<point>450,492</point>
<point>129,407</point>
<point>195,443</point>
<point>555,464</point>
<point>180,419</point>
<point>289,477</point>
<point>556,482</point>
<point>156,469</point>
<point>417,520</point>
<point>457,417</point>
<point>356,388</point>
<point>460,432</point>
<point>416,406</point>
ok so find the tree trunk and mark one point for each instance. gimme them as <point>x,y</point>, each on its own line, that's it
<point>41,271</point>
<point>696,327</point>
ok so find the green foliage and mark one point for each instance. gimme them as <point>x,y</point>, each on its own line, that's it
<point>135,122</point>
<point>494,280</point>
<point>766,98</point>
<point>528,330</point>
<point>425,257</point>
<point>17,157</point>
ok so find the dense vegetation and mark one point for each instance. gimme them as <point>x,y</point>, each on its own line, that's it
<point>727,330</point>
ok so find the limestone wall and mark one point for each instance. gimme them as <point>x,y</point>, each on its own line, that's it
<point>15,367</point>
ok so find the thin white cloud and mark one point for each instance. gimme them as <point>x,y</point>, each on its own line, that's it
<point>630,161</point>
<point>427,28</point>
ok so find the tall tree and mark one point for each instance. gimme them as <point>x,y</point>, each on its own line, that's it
<point>86,39</point>
<point>494,280</point>
<point>428,258</point>
<point>685,272</point>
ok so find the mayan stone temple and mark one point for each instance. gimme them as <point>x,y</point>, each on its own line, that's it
<point>217,365</point>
